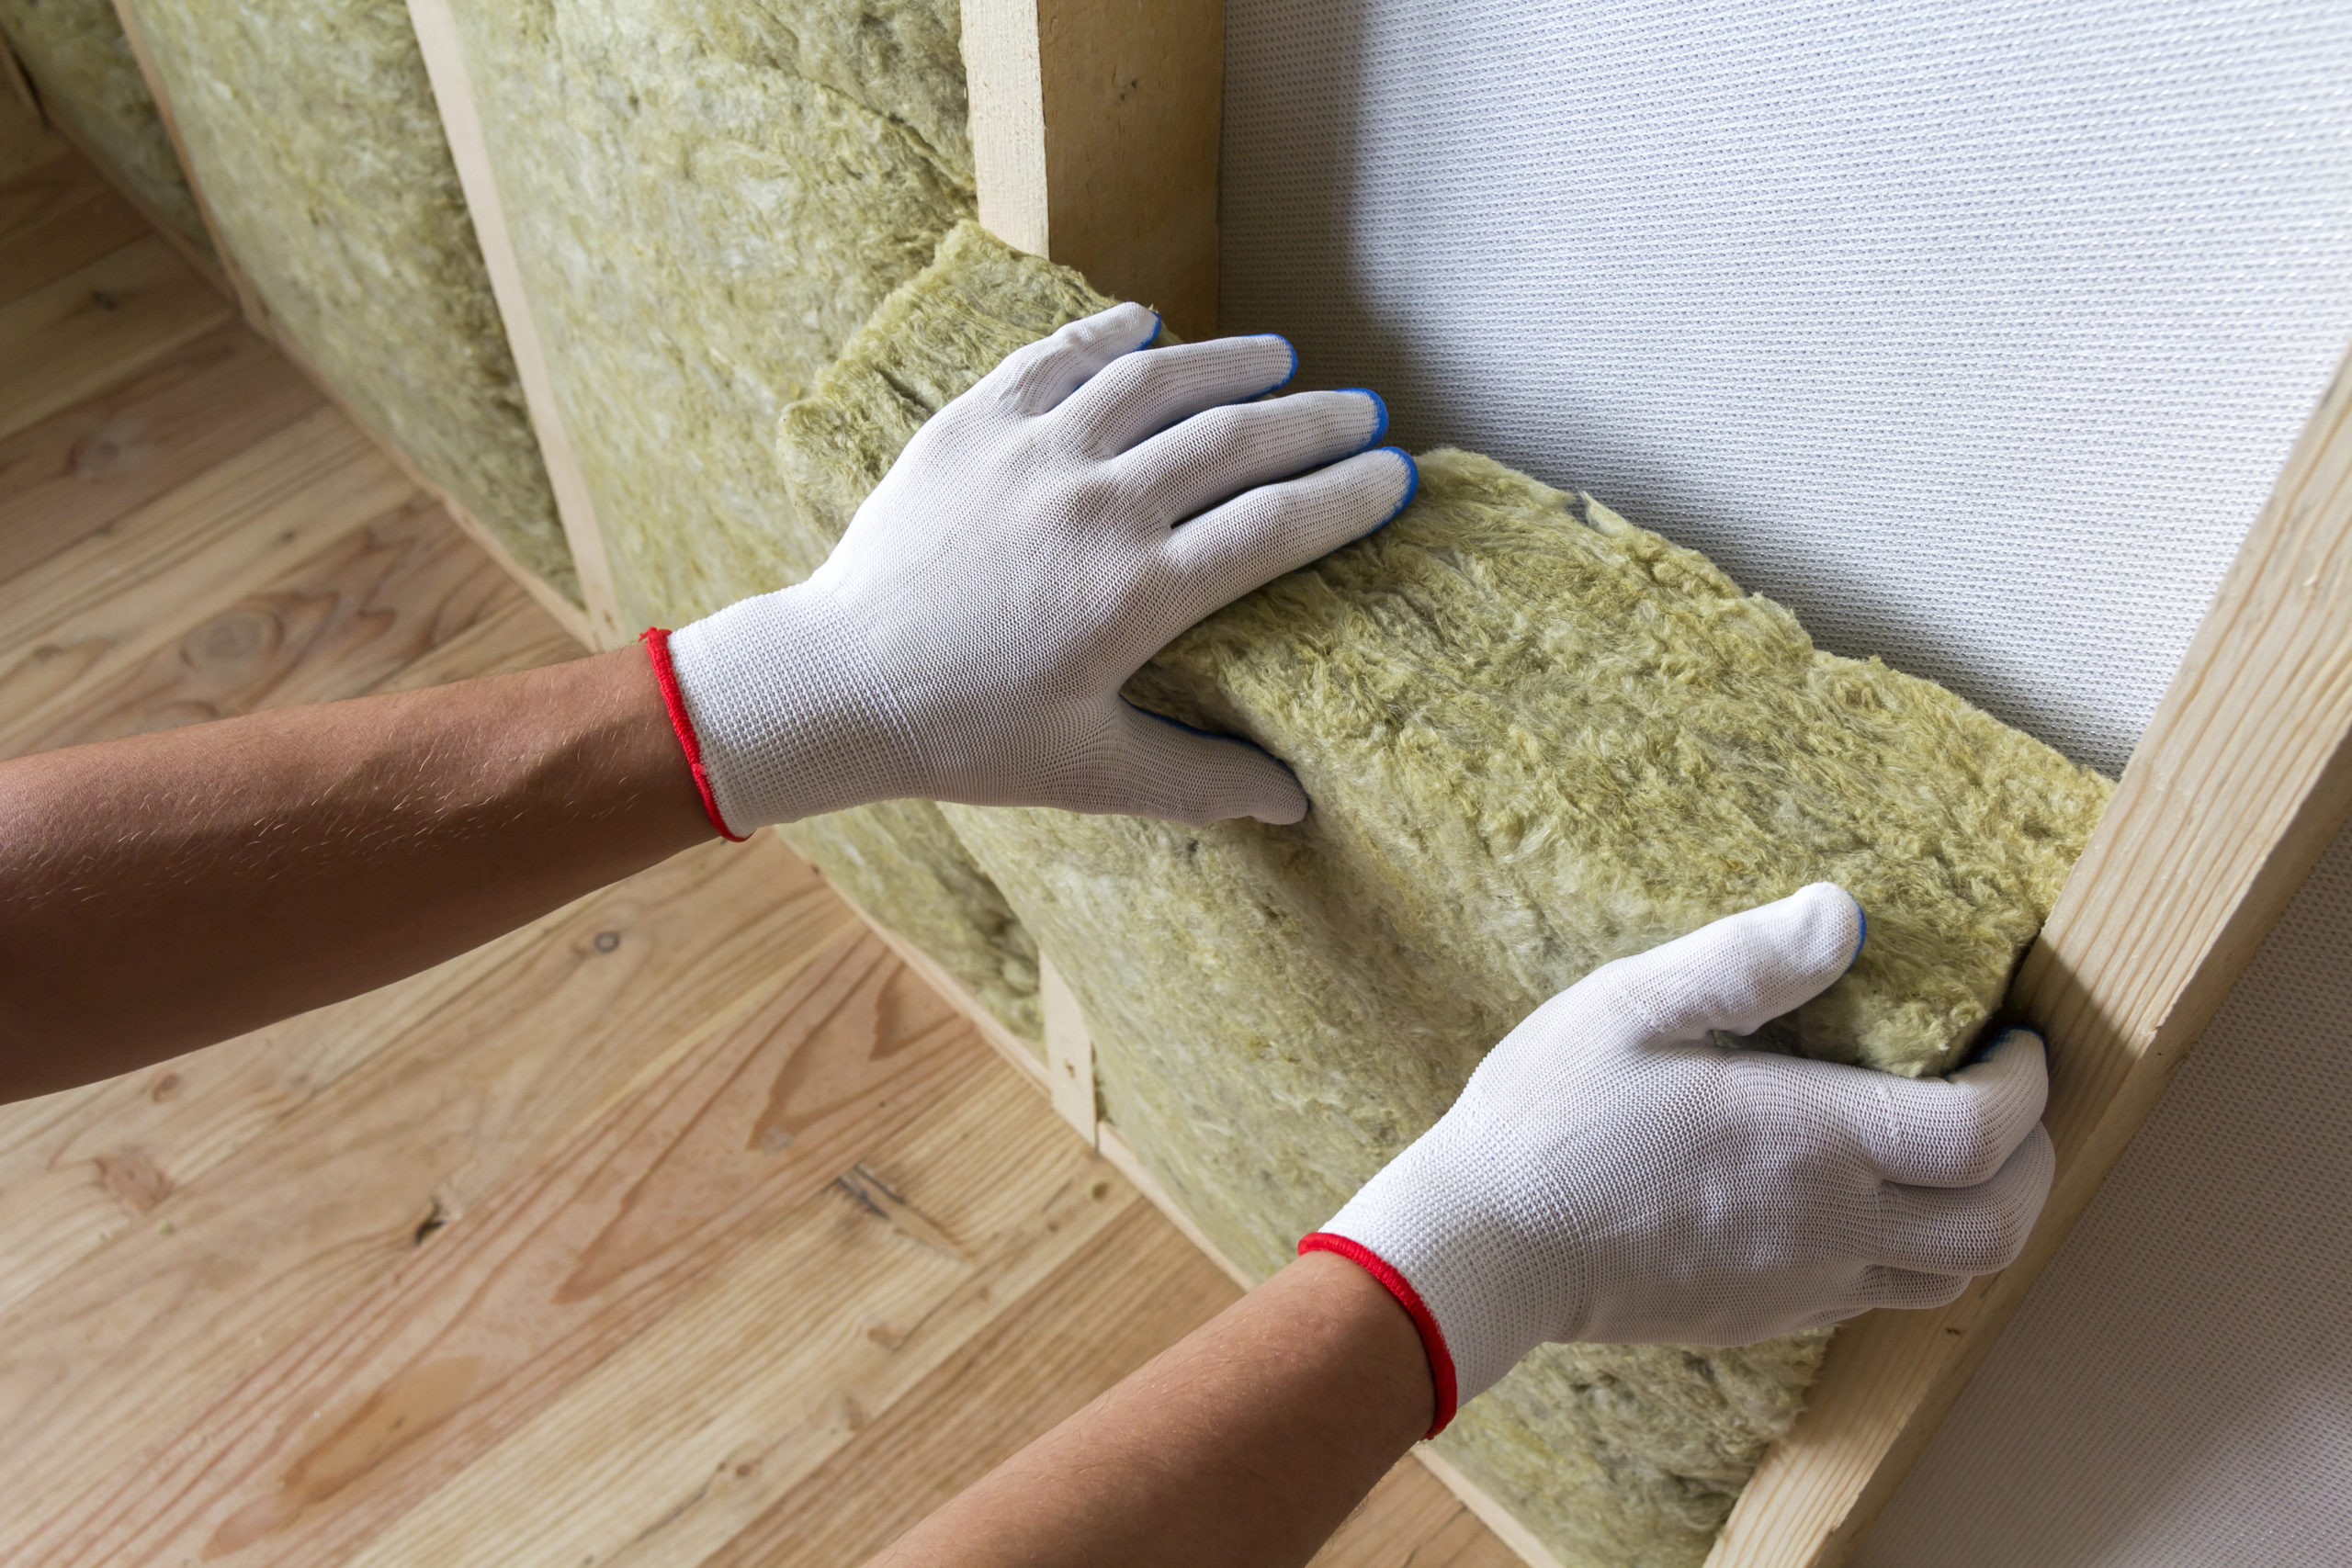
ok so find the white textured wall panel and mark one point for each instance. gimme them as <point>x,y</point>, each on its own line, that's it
<point>1972,331</point>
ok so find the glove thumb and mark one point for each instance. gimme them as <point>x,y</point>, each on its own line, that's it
<point>1745,969</point>
<point>1160,768</point>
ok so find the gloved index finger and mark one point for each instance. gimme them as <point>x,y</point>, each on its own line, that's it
<point>1038,377</point>
<point>1144,393</point>
<point>1954,1131</point>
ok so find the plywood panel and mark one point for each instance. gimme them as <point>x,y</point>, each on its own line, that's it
<point>98,608</point>
<point>690,1432</point>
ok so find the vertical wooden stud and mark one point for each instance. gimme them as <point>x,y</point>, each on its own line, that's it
<point>576,624</point>
<point>444,64</point>
<point>1095,131</point>
<point>1069,1052</point>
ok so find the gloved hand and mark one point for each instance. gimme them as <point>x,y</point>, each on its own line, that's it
<point>1039,539</point>
<point>1611,1174</point>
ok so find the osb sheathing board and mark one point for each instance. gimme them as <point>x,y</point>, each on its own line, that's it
<point>1537,737</point>
<point>311,130</point>
<point>705,202</point>
<point>82,62</point>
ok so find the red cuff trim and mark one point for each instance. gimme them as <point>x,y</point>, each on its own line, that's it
<point>1424,1323</point>
<point>656,653</point>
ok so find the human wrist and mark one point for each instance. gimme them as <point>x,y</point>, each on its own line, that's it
<point>1387,1363</point>
<point>1376,1289</point>
<point>782,713</point>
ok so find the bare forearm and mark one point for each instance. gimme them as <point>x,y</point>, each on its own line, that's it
<point>1245,1444</point>
<point>169,890</point>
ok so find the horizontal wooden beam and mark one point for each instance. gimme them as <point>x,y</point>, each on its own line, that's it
<point>2239,784</point>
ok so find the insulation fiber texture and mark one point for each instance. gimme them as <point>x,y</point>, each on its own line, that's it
<point>1537,738</point>
<point>706,202</point>
<point>311,127</point>
<point>82,62</point>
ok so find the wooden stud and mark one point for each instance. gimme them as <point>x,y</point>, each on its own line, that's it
<point>1094,134</point>
<point>2239,784</point>
<point>568,615</point>
<point>1069,1051</point>
<point>444,64</point>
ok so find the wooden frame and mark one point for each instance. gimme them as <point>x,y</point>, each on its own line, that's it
<point>1094,125</point>
<point>581,626</point>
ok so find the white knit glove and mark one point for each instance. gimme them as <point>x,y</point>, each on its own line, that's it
<point>1039,539</point>
<point>1611,1174</point>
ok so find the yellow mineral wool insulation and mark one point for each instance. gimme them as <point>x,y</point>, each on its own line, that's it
<point>312,133</point>
<point>80,61</point>
<point>706,203</point>
<point>1537,737</point>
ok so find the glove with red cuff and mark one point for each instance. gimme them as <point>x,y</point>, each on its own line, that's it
<point>1611,1174</point>
<point>1039,539</point>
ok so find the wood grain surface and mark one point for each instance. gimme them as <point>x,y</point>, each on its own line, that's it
<point>687,1225</point>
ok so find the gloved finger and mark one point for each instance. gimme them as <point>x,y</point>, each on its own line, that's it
<point>1166,770</point>
<point>1741,971</point>
<point>1904,1288</point>
<point>1035,378</point>
<point>1952,1132</point>
<point>1143,394</point>
<point>1967,1230</point>
<point>1263,533</point>
<point>1219,454</point>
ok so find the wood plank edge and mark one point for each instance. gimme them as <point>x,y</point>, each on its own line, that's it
<point>1115,1147</point>
<point>1069,1051</point>
<point>445,65</point>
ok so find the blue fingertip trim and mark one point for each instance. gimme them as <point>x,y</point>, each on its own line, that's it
<point>1380,409</point>
<point>1863,940</point>
<point>1412,483</point>
<point>1157,326</point>
<point>1290,374</point>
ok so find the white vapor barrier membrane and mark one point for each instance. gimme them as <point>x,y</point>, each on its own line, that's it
<point>2177,1386</point>
<point>1975,333</point>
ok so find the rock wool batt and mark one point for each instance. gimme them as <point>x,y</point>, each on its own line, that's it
<point>707,201</point>
<point>312,130</point>
<point>1537,737</point>
<point>82,62</point>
